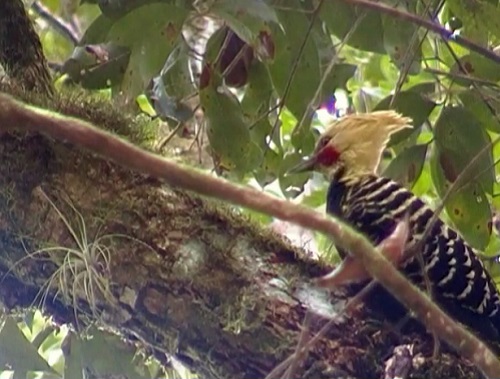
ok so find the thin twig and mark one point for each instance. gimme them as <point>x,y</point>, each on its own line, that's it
<point>55,22</point>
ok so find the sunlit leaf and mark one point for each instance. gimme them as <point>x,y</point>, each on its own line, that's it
<point>17,353</point>
<point>477,66</point>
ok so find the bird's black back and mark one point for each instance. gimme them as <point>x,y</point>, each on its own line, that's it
<point>374,205</point>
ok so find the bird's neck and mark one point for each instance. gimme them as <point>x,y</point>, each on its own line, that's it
<point>348,176</point>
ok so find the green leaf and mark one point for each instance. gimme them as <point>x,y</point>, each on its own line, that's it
<point>150,32</point>
<point>468,208</point>
<point>479,18</point>
<point>17,353</point>
<point>400,41</point>
<point>169,90</point>
<point>246,18</point>
<point>410,103</point>
<point>227,131</point>
<point>460,137</point>
<point>300,88</point>
<point>97,66</point>
<point>103,353</point>
<point>97,31</point>
<point>341,17</point>
<point>407,166</point>
<point>475,103</point>
<point>477,66</point>
<point>292,185</point>
<point>268,171</point>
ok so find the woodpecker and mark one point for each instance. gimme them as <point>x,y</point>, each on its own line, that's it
<point>349,153</point>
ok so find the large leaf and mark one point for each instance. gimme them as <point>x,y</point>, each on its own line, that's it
<point>17,353</point>
<point>150,32</point>
<point>467,208</point>
<point>227,131</point>
<point>460,138</point>
<point>169,90</point>
<point>102,354</point>
<point>97,31</point>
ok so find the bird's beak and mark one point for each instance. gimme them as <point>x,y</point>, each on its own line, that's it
<point>307,164</point>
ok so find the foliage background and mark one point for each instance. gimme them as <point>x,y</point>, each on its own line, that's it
<point>248,103</point>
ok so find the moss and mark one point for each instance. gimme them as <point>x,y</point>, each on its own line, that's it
<point>96,108</point>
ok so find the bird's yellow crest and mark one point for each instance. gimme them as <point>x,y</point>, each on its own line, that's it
<point>355,143</point>
<point>360,139</point>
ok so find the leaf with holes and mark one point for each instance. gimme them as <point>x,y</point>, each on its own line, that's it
<point>227,131</point>
<point>467,208</point>
<point>407,166</point>
<point>340,19</point>
<point>150,32</point>
<point>412,104</point>
<point>461,137</point>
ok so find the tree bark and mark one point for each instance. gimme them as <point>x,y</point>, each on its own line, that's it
<point>21,52</point>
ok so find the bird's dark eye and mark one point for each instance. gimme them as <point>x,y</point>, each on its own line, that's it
<point>322,142</point>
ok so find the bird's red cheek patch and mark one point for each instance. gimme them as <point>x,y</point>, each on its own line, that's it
<point>328,155</point>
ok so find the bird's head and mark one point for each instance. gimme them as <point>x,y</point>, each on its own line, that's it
<point>354,143</point>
